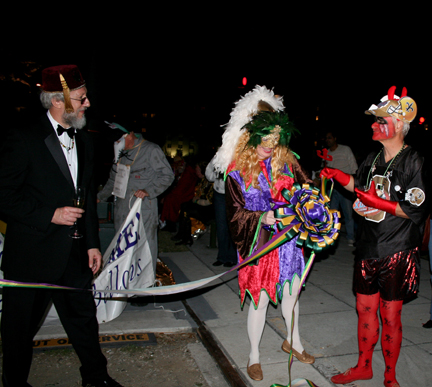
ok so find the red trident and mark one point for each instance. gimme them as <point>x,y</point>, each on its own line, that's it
<point>323,154</point>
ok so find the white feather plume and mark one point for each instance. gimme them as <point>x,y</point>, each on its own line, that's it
<point>244,110</point>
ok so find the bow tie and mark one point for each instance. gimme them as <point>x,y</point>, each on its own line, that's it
<point>70,131</point>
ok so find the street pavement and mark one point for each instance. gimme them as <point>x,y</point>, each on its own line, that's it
<point>328,322</point>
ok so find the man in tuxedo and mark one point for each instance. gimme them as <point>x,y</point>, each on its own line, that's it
<point>40,168</point>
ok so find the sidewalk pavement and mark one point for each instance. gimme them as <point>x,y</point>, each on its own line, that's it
<point>328,321</point>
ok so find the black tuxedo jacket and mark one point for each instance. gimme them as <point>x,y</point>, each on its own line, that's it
<point>34,181</point>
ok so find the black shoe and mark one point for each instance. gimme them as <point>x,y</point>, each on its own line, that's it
<point>6,384</point>
<point>428,324</point>
<point>170,227</point>
<point>229,264</point>
<point>188,242</point>
<point>138,301</point>
<point>110,382</point>
<point>217,263</point>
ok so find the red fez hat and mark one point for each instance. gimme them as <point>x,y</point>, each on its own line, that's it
<point>62,79</point>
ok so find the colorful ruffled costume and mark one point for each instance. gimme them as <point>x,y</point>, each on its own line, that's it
<point>246,206</point>
<point>258,133</point>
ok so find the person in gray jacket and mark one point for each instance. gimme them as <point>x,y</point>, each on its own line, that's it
<point>140,170</point>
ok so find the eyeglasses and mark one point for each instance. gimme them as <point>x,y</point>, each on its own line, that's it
<point>82,100</point>
<point>381,120</point>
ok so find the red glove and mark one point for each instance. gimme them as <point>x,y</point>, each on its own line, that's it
<point>371,199</point>
<point>332,173</point>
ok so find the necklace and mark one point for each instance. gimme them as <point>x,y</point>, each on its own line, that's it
<point>68,148</point>
<point>372,168</point>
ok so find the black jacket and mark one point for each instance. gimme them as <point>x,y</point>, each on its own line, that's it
<point>34,181</point>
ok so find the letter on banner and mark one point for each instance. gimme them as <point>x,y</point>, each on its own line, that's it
<point>127,264</point>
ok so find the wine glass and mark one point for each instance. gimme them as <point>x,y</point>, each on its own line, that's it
<point>78,201</point>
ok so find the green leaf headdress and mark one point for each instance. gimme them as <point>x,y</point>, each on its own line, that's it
<point>256,100</point>
<point>270,127</point>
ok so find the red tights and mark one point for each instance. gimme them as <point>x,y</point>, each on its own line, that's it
<point>368,333</point>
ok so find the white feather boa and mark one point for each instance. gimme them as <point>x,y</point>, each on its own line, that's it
<point>244,110</point>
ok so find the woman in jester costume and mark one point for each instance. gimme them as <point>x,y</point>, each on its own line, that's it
<point>258,164</point>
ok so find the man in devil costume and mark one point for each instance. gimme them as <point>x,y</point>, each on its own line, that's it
<point>392,187</point>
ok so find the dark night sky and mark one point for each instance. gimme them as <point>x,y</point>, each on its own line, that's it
<point>176,69</point>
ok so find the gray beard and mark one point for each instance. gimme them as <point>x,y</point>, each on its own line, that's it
<point>72,120</point>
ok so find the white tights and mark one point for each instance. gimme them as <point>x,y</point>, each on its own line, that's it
<point>257,318</point>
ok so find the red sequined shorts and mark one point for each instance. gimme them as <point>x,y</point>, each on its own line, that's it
<point>396,277</point>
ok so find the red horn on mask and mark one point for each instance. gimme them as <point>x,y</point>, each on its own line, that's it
<point>404,92</point>
<point>391,92</point>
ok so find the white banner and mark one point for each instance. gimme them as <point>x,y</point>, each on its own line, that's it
<point>127,264</point>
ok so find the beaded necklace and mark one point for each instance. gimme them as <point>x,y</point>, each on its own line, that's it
<point>68,148</point>
<point>372,168</point>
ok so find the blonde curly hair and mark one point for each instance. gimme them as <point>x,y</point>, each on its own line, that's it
<point>247,162</point>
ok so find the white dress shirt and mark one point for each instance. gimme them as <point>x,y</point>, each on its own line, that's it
<point>69,149</point>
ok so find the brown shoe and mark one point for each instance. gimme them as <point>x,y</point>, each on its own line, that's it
<point>255,371</point>
<point>304,357</point>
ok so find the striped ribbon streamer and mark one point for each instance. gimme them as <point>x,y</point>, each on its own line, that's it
<point>298,382</point>
<point>324,230</point>
<point>277,240</point>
